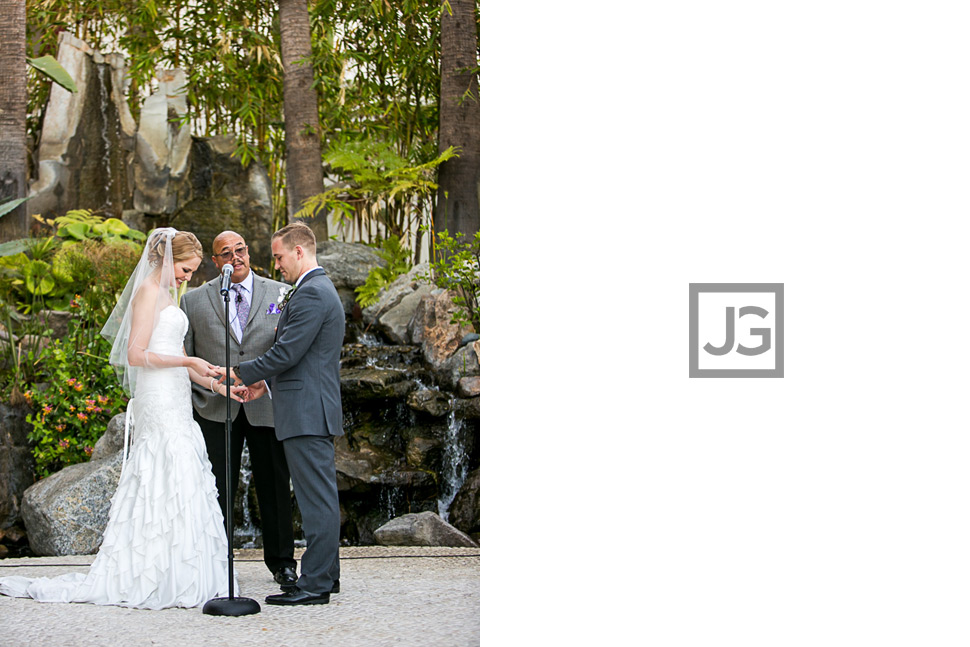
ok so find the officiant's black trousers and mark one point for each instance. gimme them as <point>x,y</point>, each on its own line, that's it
<point>271,478</point>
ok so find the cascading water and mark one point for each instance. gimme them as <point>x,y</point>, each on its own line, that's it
<point>244,534</point>
<point>454,465</point>
<point>105,138</point>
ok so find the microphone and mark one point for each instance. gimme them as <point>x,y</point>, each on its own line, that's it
<point>226,275</point>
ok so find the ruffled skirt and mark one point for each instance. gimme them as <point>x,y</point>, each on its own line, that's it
<point>165,542</point>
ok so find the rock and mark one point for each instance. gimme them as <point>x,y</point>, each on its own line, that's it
<point>87,138</point>
<point>423,451</point>
<point>373,384</point>
<point>162,146</point>
<point>395,323</point>
<point>470,387</point>
<point>463,363</point>
<point>347,265</point>
<point>365,465</point>
<point>218,193</point>
<point>395,308</point>
<point>112,441</point>
<point>57,320</point>
<point>421,529</point>
<point>465,510</point>
<point>13,535</point>
<point>16,462</point>
<point>431,327</point>
<point>467,407</point>
<point>436,403</point>
<point>66,513</point>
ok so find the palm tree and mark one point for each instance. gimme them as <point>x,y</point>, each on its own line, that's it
<point>13,115</point>
<point>457,208</point>
<point>304,167</point>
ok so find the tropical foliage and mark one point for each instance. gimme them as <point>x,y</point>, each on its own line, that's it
<point>375,65</point>
<point>457,268</point>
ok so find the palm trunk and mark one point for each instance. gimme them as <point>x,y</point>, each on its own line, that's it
<point>304,165</point>
<point>457,208</point>
<point>13,115</point>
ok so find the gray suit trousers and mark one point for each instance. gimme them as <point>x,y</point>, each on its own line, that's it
<point>314,477</point>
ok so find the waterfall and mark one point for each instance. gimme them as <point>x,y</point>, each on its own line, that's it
<point>106,157</point>
<point>244,534</point>
<point>454,465</point>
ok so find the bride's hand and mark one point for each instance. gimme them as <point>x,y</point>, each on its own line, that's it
<point>240,393</point>
<point>204,368</point>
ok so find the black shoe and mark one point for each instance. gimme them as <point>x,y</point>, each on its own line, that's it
<point>286,578</point>
<point>336,587</point>
<point>298,597</point>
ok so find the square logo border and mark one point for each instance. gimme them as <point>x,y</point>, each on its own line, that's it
<point>778,289</point>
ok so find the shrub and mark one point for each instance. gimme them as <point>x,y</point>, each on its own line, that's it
<point>80,397</point>
<point>456,267</point>
<point>398,259</point>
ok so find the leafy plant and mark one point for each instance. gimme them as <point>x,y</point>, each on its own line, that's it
<point>456,267</point>
<point>398,262</point>
<point>81,395</point>
<point>83,224</point>
<point>379,189</point>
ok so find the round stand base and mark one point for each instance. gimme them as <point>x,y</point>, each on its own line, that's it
<point>230,607</point>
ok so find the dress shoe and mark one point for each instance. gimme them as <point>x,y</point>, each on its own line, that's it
<point>285,576</point>
<point>336,587</point>
<point>296,597</point>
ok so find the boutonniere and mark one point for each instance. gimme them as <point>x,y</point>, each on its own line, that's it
<point>286,297</point>
<point>282,298</point>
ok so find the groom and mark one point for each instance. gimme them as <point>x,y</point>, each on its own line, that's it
<point>303,368</point>
<point>253,316</point>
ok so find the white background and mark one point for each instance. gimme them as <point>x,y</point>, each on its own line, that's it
<point>632,148</point>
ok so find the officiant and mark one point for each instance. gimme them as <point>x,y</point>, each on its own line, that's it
<point>253,312</point>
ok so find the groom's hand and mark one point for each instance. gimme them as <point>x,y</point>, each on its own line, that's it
<point>257,390</point>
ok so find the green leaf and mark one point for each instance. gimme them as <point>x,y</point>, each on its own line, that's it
<point>7,207</point>
<point>13,247</point>
<point>49,66</point>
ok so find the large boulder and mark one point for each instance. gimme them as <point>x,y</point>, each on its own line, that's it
<point>16,463</point>
<point>66,513</point>
<point>113,439</point>
<point>441,340</point>
<point>347,265</point>
<point>397,303</point>
<point>421,529</point>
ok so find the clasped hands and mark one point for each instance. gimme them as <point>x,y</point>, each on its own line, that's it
<point>239,391</point>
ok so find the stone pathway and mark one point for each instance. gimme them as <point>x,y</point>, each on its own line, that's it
<point>401,596</point>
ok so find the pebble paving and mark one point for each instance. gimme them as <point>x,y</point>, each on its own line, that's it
<point>400,596</point>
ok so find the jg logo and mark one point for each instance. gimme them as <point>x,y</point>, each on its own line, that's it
<point>737,329</point>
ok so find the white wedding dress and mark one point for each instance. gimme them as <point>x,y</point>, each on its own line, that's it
<point>165,542</point>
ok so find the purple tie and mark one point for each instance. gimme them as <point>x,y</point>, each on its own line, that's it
<point>242,307</point>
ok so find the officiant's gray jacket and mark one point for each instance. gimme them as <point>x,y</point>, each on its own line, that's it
<point>303,366</point>
<point>206,338</point>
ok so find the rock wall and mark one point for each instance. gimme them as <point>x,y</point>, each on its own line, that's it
<point>83,157</point>
<point>92,155</point>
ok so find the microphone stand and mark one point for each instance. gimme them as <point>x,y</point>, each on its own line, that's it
<point>231,606</point>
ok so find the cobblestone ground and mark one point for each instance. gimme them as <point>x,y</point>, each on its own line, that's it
<point>425,597</point>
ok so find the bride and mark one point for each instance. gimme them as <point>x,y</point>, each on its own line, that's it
<point>165,543</point>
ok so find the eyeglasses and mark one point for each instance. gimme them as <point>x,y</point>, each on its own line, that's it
<point>239,251</point>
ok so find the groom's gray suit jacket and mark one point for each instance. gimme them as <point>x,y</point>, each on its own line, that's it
<point>205,304</point>
<point>303,366</point>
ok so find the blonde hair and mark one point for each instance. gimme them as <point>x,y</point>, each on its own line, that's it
<point>184,245</point>
<point>297,233</point>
